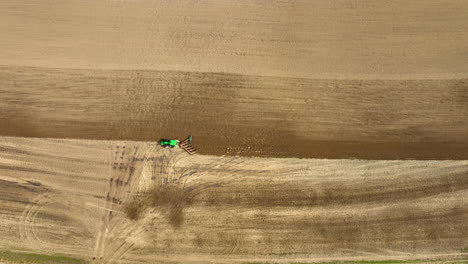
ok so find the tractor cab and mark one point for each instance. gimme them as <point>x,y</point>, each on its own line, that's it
<point>169,143</point>
<point>185,144</point>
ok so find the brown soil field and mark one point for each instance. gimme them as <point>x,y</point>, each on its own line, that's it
<point>316,79</point>
<point>72,197</point>
<point>232,114</point>
<point>356,113</point>
<point>320,39</point>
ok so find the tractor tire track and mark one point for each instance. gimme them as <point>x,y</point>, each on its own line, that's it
<point>124,179</point>
<point>27,230</point>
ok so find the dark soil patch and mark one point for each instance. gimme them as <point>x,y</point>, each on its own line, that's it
<point>170,200</point>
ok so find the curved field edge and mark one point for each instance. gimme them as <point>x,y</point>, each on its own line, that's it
<point>7,256</point>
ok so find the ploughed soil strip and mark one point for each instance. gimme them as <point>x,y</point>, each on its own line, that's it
<point>232,114</point>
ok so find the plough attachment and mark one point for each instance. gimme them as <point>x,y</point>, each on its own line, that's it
<point>186,145</point>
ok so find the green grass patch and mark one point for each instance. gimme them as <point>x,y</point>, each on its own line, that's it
<point>349,262</point>
<point>387,261</point>
<point>19,257</point>
<point>359,262</point>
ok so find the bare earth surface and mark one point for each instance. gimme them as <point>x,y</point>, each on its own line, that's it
<point>316,79</point>
<point>67,197</point>
<point>231,114</point>
<point>375,91</point>
<point>397,39</point>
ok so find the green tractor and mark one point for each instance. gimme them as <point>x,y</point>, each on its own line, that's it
<point>184,144</point>
<point>168,143</point>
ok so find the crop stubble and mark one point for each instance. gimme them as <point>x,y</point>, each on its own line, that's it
<point>226,209</point>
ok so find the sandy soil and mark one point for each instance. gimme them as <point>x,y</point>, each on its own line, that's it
<point>67,197</point>
<point>316,79</point>
<point>231,114</point>
<point>396,39</point>
<point>312,79</point>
